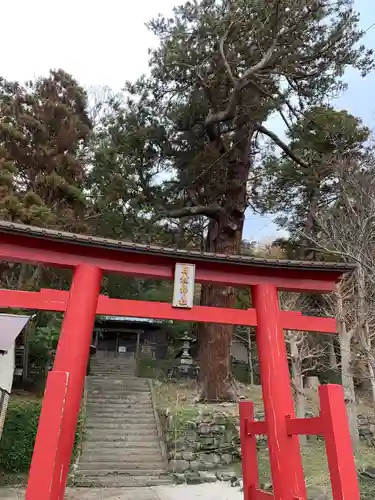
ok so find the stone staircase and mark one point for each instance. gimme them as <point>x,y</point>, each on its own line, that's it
<point>121,446</point>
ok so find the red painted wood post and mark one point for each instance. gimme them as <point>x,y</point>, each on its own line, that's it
<point>43,466</point>
<point>72,356</point>
<point>249,456</point>
<point>285,455</point>
<point>339,448</point>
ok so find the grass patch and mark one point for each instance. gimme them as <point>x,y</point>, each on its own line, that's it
<point>173,394</point>
<point>316,467</point>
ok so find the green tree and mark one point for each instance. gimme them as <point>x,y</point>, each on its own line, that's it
<point>44,136</point>
<point>322,138</point>
<point>44,132</point>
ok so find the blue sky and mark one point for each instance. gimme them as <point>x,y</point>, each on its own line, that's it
<point>114,44</point>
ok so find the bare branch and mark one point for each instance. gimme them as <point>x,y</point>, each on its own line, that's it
<point>223,56</point>
<point>211,211</point>
<point>281,144</point>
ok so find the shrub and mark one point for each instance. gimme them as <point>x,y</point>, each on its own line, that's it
<point>156,368</point>
<point>17,441</point>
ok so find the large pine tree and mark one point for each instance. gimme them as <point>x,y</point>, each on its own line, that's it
<point>221,70</point>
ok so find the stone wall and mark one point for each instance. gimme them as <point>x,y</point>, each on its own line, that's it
<point>366,428</point>
<point>202,445</point>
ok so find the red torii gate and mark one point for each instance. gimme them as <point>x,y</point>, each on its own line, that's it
<point>89,257</point>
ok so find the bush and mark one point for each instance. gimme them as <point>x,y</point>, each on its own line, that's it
<point>240,371</point>
<point>155,368</point>
<point>17,441</point>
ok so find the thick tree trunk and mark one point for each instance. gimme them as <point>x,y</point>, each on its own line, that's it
<point>215,343</point>
<point>224,236</point>
<point>215,340</point>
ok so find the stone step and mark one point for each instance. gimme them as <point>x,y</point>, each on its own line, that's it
<point>121,481</point>
<point>109,389</point>
<point>109,410</point>
<point>116,384</point>
<point>133,391</point>
<point>108,366</point>
<point>112,369</point>
<point>115,366</point>
<point>152,455</point>
<point>120,377</point>
<point>106,440</point>
<point>126,403</point>
<point>110,473</point>
<point>108,376</point>
<point>125,409</point>
<point>121,426</point>
<point>117,412</point>
<point>117,415</point>
<point>116,404</point>
<point>135,435</point>
<point>128,443</point>
<point>95,370</point>
<point>114,415</point>
<point>134,394</point>
<point>123,369</point>
<point>122,467</point>
<point>120,388</point>
<point>116,361</point>
<point>117,374</point>
<point>106,386</point>
<point>118,421</point>
<point>130,399</point>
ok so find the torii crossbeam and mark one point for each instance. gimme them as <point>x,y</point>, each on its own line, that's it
<point>90,257</point>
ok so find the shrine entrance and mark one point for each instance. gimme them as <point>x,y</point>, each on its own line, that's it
<point>90,257</point>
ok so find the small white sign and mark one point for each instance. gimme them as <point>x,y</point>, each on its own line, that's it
<point>184,282</point>
<point>122,348</point>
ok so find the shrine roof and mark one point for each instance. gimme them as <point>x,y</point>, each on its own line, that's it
<point>128,247</point>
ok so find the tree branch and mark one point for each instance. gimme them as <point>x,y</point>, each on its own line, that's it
<point>211,211</point>
<point>281,144</point>
<point>243,81</point>
<point>223,56</point>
